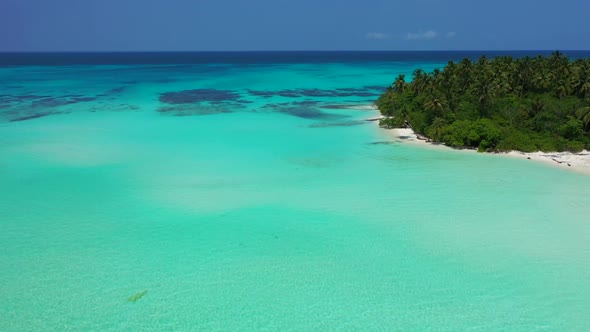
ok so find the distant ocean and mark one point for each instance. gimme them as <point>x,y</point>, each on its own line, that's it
<point>245,191</point>
<point>259,57</point>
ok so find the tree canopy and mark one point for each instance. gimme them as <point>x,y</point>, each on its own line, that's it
<point>526,104</point>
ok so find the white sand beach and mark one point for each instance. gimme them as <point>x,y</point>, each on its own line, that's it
<point>579,162</point>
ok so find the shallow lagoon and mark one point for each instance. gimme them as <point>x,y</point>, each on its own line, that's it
<point>254,196</point>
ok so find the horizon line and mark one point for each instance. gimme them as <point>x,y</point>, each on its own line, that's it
<point>293,51</point>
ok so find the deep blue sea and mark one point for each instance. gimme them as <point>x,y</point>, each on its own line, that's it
<point>246,191</point>
<point>260,57</point>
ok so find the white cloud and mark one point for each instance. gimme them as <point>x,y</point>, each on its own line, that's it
<point>451,34</point>
<point>376,35</point>
<point>430,34</point>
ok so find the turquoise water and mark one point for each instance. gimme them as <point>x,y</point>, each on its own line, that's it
<point>255,202</point>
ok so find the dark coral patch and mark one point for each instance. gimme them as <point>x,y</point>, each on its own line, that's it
<point>42,101</point>
<point>32,116</point>
<point>297,93</point>
<point>374,87</point>
<point>28,107</point>
<point>261,93</point>
<point>15,99</point>
<point>72,96</point>
<point>337,106</point>
<point>289,94</point>
<point>199,96</point>
<point>60,101</point>
<point>337,124</point>
<point>383,143</point>
<point>116,90</point>
<point>308,113</point>
<point>82,99</point>
<point>305,103</point>
<point>189,110</point>
<point>165,80</point>
<point>50,102</point>
<point>112,92</point>
<point>201,102</point>
<point>304,111</point>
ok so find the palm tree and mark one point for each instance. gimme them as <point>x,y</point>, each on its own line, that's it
<point>464,74</point>
<point>399,85</point>
<point>541,81</point>
<point>485,92</point>
<point>536,107</point>
<point>564,88</point>
<point>436,74</point>
<point>583,114</point>
<point>500,84</point>
<point>524,73</point>
<point>401,115</point>
<point>436,128</point>
<point>557,59</point>
<point>583,87</point>
<point>420,80</point>
<point>436,105</point>
<point>483,61</point>
<point>389,105</point>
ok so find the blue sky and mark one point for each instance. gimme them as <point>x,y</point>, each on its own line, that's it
<point>202,25</point>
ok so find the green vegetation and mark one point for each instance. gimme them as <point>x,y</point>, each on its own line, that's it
<point>526,104</point>
<point>135,297</point>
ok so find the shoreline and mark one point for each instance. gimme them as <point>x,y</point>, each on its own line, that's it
<point>577,162</point>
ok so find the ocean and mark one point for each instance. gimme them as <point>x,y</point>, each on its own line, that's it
<point>245,191</point>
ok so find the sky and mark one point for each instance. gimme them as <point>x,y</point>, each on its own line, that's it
<point>239,25</point>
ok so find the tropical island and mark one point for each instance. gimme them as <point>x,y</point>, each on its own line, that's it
<point>496,105</point>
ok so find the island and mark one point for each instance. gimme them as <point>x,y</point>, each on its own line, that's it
<point>496,105</point>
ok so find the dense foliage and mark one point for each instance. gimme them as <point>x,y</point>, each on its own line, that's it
<point>525,104</point>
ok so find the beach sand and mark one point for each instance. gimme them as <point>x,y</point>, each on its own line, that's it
<point>579,162</point>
